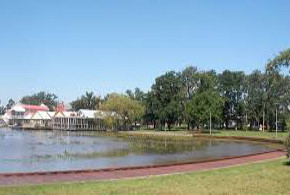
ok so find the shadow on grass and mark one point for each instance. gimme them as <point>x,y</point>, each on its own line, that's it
<point>287,163</point>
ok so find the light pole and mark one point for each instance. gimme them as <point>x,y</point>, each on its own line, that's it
<point>276,123</point>
<point>263,118</point>
<point>276,119</point>
<point>246,119</point>
<point>210,122</point>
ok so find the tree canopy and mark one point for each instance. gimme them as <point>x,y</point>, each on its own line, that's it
<point>167,94</point>
<point>2,109</point>
<point>138,94</point>
<point>130,111</point>
<point>232,88</point>
<point>281,60</point>
<point>248,100</point>
<point>203,106</point>
<point>87,101</point>
<point>49,99</point>
<point>10,103</point>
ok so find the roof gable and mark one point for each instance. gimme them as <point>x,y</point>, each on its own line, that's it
<point>87,113</point>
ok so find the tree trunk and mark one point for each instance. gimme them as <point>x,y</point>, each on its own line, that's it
<point>227,124</point>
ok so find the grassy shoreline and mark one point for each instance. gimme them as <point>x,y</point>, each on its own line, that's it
<point>269,177</point>
<point>221,133</point>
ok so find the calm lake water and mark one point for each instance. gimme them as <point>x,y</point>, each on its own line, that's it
<point>29,151</point>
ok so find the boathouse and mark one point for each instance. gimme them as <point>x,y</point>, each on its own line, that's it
<point>77,121</point>
<point>21,114</point>
<point>39,120</point>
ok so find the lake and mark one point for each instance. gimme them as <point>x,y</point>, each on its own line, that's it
<point>31,151</point>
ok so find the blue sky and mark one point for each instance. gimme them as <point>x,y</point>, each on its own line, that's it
<point>68,46</point>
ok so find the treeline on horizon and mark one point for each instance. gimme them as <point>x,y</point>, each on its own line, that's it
<point>192,97</point>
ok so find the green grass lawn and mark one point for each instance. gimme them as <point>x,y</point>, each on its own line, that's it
<point>260,134</point>
<point>261,178</point>
<point>281,135</point>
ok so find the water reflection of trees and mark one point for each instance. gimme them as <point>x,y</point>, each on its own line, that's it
<point>67,155</point>
<point>165,145</point>
<point>138,146</point>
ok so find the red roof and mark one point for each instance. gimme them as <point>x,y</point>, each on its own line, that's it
<point>60,107</point>
<point>36,108</point>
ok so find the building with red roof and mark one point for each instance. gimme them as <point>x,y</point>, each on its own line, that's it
<point>21,113</point>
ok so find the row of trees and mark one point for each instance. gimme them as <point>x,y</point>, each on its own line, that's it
<point>232,99</point>
<point>87,101</point>
<point>49,99</point>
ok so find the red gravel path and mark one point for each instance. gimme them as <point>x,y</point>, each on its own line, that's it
<point>106,174</point>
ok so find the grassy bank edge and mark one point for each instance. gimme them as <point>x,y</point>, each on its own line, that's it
<point>254,178</point>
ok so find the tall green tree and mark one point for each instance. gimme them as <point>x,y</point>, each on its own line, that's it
<point>10,103</point>
<point>138,94</point>
<point>287,121</point>
<point>130,93</point>
<point>87,101</point>
<point>281,60</point>
<point>2,109</point>
<point>151,112</point>
<point>202,106</point>
<point>206,101</point>
<point>167,91</point>
<point>8,106</point>
<point>49,99</point>
<point>190,83</point>
<point>276,95</point>
<point>208,80</point>
<point>130,111</point>
<point>232,88</point>
<point>278,88</point>
<point>255,98</point>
